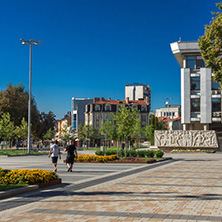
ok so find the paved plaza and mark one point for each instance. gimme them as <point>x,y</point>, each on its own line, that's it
<point>187,188</point>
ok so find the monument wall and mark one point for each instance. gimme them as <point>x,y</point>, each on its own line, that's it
<point>186,138</point>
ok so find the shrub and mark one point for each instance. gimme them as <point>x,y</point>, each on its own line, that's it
<point>110,151</point>
<point>150,153</point>
<point>133,153</point>
<point>159,153</point>
<point>100,153</point>
<point>141,153</point>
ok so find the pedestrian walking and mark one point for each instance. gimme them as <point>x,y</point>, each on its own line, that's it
<point>71,154</point>
<point>41,146</point>
<point>55,153</point>
<point>123,146</point>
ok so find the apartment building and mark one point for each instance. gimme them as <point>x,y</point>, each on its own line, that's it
<point>170,111</point>
<point>200,95</point>
<point>137,91</point>
<point>78,111</point>
<point>101,109</point>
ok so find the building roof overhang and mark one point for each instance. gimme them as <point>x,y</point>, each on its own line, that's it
<point>179,49</point>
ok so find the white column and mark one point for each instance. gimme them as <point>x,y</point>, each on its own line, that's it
<point>185,95</point>
<point>205,92</point>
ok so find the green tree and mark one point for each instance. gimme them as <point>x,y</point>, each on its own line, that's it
<point>109,130</point>
<point>155,124</point>
<point>49,134</point>
<point>47,122</point>
<point>7,128</point>
<point>14,100</point>
<point>81,133</point>
<point>67,134</point>
<point>21,131</point>
<point>137,133</point>
<point>126,119</point>
<point>210,45</point>
<point>88,133</point>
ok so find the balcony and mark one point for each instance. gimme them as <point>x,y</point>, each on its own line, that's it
<point>216,116</point>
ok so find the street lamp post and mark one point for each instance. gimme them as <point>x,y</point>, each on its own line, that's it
<point>168,103</point>
<point>30,43</point>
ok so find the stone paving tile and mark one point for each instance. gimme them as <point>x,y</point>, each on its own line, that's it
<point>140,197</point>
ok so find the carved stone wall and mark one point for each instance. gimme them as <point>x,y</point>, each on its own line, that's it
<point>186,138</point>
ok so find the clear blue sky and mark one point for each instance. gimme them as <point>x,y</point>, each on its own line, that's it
<point>92,48</point>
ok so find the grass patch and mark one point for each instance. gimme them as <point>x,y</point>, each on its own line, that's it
<point>20,152</point>
<point>4,187</point>
<point>95,148</point>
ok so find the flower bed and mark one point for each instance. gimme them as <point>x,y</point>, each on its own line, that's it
<point>113,159</point>
<point>95,158</point>
<point>25,176</point>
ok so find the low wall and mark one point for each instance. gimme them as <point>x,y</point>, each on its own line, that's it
<point>186,139</point>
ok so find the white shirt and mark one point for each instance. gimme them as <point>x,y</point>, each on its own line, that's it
<point>55,150</point>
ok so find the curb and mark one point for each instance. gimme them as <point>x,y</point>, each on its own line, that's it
<point>126,162</point>
<point>30,188</point>
<point>13,192</point>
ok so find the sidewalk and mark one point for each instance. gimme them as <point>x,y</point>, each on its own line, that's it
<point>188,189</point>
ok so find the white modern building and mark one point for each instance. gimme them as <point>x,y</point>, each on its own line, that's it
<point>200,95</point>
<point>170,111</point>
<point>137,91</point>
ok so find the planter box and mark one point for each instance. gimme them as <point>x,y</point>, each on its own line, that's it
<point>50,183</point>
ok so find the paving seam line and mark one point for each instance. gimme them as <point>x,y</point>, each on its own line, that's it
<point>36,196</point>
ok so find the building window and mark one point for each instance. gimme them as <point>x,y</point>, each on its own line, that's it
<point>195,105</point>
<point>143,108</point>
<point>195,62</point>
<point>191,62</point>
<point>97,108</point>
<point>215,85</point>
<point>199,62</point>
<point>195,83</point>
<point>216,104</point>
<point>97,121</point>
<point>108,107</point>
<point>135,107</point>
<point>173,113</point>
<point>143,118</point>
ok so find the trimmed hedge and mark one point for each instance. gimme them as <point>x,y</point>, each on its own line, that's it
<point>132,153</point>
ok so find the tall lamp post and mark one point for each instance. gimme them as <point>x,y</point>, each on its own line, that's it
<point>168,103</point>
<point>30,42</point>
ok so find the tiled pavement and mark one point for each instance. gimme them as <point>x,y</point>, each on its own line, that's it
<point>187,189</point>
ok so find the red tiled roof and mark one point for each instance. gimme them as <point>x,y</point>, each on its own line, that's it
<point>116,102</point>
<point>168,119</point>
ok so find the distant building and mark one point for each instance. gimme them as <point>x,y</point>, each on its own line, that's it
<point>78,111</point>
<point>137,91</point>
<point>170,111</point>
<point>63,124</point>
<point>101,109</point>
<point>171,124</point>
<point>200,95</point>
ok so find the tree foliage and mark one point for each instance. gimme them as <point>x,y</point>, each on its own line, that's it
<point>14,100</point>
<point>210,45</point>
<point>67,134</point>
<point>21,131</point>
<point>49,134</point>
<point>155,124</point>
<point>7,128</point>
<point>109,130</point>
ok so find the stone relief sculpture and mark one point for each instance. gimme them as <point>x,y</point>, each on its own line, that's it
<point>188,138</point>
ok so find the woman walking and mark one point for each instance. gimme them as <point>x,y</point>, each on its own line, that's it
<point>71,154</point>
<point>55,153</point>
